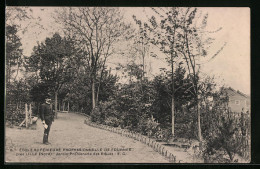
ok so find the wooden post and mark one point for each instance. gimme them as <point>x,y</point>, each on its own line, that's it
<point>26,116</point>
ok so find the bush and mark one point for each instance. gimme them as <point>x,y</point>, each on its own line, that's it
<point>186,124</point>
<point>106,113</point>
<point>13,115</point>
<point>96,115</point>
<point>163,134</point>
<point>148,126</point>
<point>112,121</point>
<point>223,146</point>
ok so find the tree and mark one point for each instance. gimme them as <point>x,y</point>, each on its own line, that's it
<point>162,103</point>
<point>165,34</point>
<point>53,61</point>
<point>142,48</point>
<point>95,30</point>
<point>194,45</point>
<point>39,92</point>
<point>13,58</point>
<point>13,51</point>
<point>178,35</point>
<point>14,15</point>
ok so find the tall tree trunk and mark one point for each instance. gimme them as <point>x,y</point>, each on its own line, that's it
<point>101,76</point>
<point>97,94</point>
<point>93,94</point>
<point>55,104</point>
<point>199,127</point>
<point>173,109</point>
<point>93,80</point>
<point>173,116</point>
<point>198,112</point>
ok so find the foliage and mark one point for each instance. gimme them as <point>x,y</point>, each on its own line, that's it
<point>161,106</point>
<point>148,126</point>
<point>74,69</point>
<point>224,143</point>
<point>14,116</point>
<point>52,59</point>
<point>13,51</point>
<point>95,31</point>
<point>112,121</point>
<point>163,134</point>
<point>222,131</point>
<point>79,93</point>
<point>14,15</point>
<point>142,106</point>
<point>17,93</point>
<point>39,92</point>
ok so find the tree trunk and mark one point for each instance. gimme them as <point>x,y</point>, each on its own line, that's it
<point>173,116</point>
<point>38,110</point>
<point>97,94</point>
<point>55,104</point>
<point>93,94</point>
<point>101,76</point>
<point>230,156</point>
<point>173,108</point>
<point>26,116</point>
<point>199,128</point>
<point>68,107</point>
<point>198,112</point>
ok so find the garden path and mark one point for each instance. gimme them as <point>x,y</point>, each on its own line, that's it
<point>72,141</point>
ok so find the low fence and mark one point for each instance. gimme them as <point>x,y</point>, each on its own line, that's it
<point>29,119</point>
<point>137,136</point>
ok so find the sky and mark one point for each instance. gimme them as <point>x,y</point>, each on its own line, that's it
<point>230,67</point>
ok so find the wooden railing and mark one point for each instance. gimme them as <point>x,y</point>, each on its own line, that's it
<point>29,119</point>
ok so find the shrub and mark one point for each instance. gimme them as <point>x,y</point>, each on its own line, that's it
<point>223,146</point>
<point>13,115</point>
<point>96,116</point>
<point>112,121</point>
<point>148,126</point>
<point>163,134</point>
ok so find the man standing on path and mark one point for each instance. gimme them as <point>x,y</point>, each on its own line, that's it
<point>47,117</point>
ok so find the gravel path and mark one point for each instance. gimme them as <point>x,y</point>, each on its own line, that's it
<point>72,141</point>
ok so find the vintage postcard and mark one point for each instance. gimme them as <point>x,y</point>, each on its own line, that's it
<point>127,85</point>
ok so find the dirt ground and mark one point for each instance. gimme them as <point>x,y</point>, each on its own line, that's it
<point>72,141</point>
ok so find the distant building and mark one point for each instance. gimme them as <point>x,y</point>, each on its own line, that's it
<point>237,100</point>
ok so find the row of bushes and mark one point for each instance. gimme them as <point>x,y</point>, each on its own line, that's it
<point>141,108</point>
<point>109,113</point>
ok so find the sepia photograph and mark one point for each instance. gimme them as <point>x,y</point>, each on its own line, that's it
<point>127,85</point>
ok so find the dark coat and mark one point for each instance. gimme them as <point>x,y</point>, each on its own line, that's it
<point>46,112</point>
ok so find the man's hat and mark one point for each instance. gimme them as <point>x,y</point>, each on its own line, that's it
<point>48,100</point>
